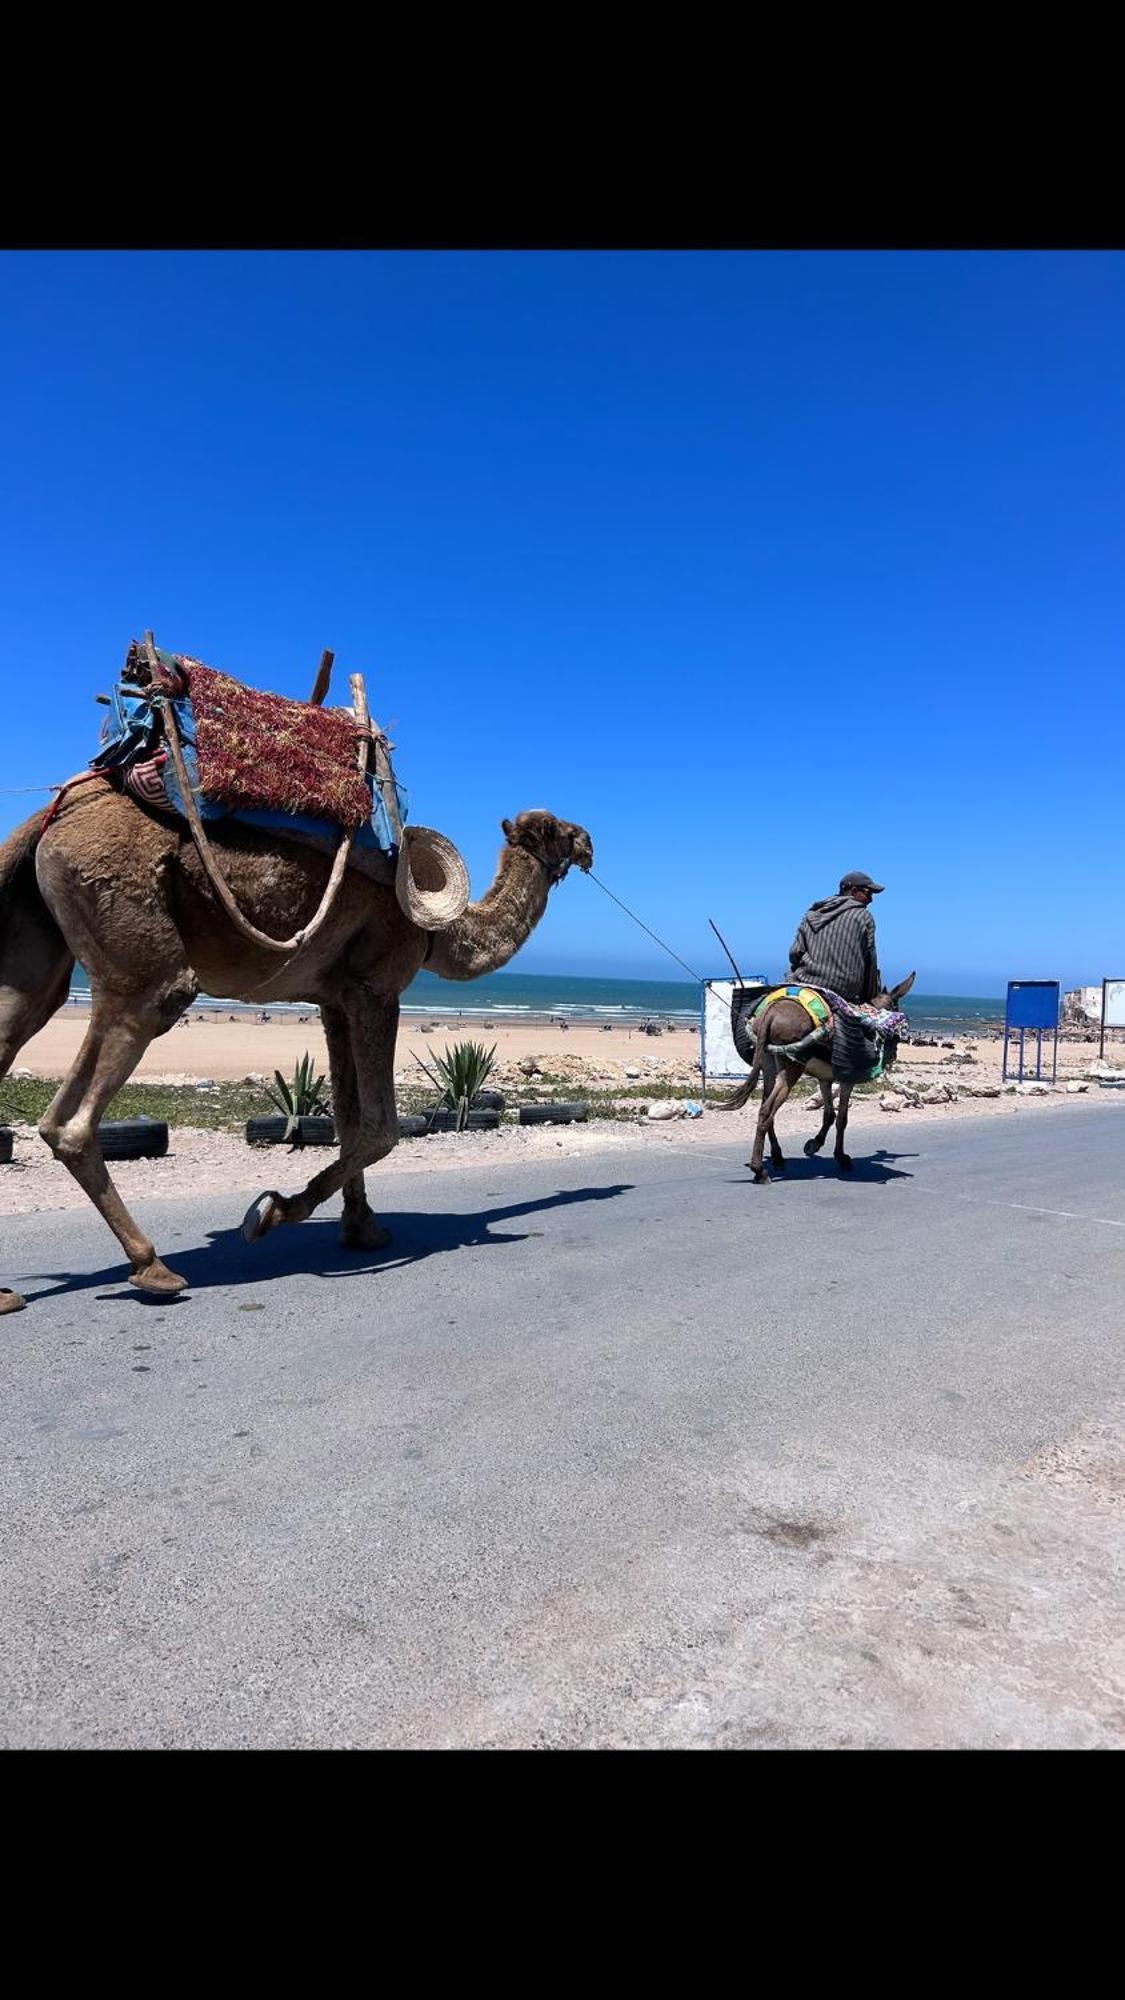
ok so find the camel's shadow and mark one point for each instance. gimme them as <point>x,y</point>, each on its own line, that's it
<point>875,1170</point>
<point>312,1249</point>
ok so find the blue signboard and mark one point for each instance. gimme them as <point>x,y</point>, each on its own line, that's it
<point>1032,1004</point>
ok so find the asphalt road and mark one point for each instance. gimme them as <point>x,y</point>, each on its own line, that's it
<point>620,1452</point>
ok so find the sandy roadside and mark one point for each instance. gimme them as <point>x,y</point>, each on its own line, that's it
<point>585,1053</point>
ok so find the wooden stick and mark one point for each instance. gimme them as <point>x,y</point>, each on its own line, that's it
<point>384,776</point>
<point>323,676</point>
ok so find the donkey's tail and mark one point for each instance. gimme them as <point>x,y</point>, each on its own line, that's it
<point>746,1090</point>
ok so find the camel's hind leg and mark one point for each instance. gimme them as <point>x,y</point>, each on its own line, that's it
<point>22,1014</point>
<point>35,968</point>
<point>121,1028</point>
<point>372,1024</point>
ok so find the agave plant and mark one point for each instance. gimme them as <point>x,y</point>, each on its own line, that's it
<point>458,1074</point>
<point>304,1096</point>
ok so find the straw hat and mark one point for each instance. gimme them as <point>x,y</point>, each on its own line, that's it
<point>431,880</point>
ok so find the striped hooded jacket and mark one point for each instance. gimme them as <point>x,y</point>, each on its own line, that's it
<point>835,947</point>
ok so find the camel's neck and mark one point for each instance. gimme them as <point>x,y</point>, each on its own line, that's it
<point>491,932</point>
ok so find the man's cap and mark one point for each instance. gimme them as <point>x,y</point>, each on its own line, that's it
<point>858,880</point>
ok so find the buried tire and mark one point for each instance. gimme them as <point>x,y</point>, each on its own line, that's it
<point>272,1132</point>
<point>553,1114</point>
<point>133,1139</point>
<point>446,1121</point>
<point>6,1138</point>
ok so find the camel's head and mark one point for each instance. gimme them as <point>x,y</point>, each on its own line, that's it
<point>892,999</point>
<point>554,842</point>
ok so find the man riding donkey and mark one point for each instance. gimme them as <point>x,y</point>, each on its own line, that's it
<point>835,1021</point>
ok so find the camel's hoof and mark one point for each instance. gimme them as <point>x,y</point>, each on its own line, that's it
<point>365,1235</point>
<point>760,1179</point>
<point>10,1302</point>
<point>156,1277</point>
<point>843,1161</point>
<point>812,1148</point>
<point>262,1216</point>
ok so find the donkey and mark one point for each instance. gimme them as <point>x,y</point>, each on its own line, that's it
<point>782,1024</point>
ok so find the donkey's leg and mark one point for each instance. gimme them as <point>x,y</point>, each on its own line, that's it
<point>771,1105</point>
<point>359,1230</point>
<point>777,1157</point>
<point>121,1028</point>
<point>841,1158</point>
<point>769,1084</point>
<point>828,1118</point>
<point>372,1020</point>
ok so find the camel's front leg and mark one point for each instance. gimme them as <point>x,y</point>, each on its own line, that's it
<point>360,1229</point>
<point>367,1120</point>
<point>842,1159</point>
<point>120,1031</point>
<point>828,1118</point>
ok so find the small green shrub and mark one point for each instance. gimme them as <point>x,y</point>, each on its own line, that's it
<point>304,1096</point>
<point>458,1074</point>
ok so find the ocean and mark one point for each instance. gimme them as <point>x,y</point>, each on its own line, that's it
<point>535,996</point>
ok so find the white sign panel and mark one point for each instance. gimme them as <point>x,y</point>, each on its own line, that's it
<point>1115,1003</point>
<point>720,1057</point>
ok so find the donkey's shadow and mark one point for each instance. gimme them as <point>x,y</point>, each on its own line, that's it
<point>873,1171</point>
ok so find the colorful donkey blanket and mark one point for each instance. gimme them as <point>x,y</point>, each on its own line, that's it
<point>260,758</point>
<point>858,1032</point>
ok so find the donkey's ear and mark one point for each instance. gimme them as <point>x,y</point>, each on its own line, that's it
<point>506,828</point>
<point>898,992</point>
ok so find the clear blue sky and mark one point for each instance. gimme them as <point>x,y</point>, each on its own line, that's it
<point>763,566</point>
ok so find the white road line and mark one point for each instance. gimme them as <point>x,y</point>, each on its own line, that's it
<point>1028,1208</point>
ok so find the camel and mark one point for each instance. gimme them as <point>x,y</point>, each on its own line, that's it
<point>783,1024</point>
<point>120,887</point>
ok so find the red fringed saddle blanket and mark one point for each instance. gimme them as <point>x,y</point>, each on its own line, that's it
<point>258,757</point>
<point>264,753</point>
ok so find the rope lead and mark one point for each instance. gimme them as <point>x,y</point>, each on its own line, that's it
<point>644,927</point>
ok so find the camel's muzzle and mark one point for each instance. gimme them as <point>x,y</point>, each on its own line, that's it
<point>582,853</point>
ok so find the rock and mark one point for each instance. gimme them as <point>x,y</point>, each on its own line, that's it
<point>632,1071</point>
<point>666,1108</point>
<point>1033,1089</point>
<point>936,1094</point>
<point>1076,1089</point>
<point>529,1067</point>
<point>890,1103</point>
<point>21,1075</point>
<point>983,1089</point>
